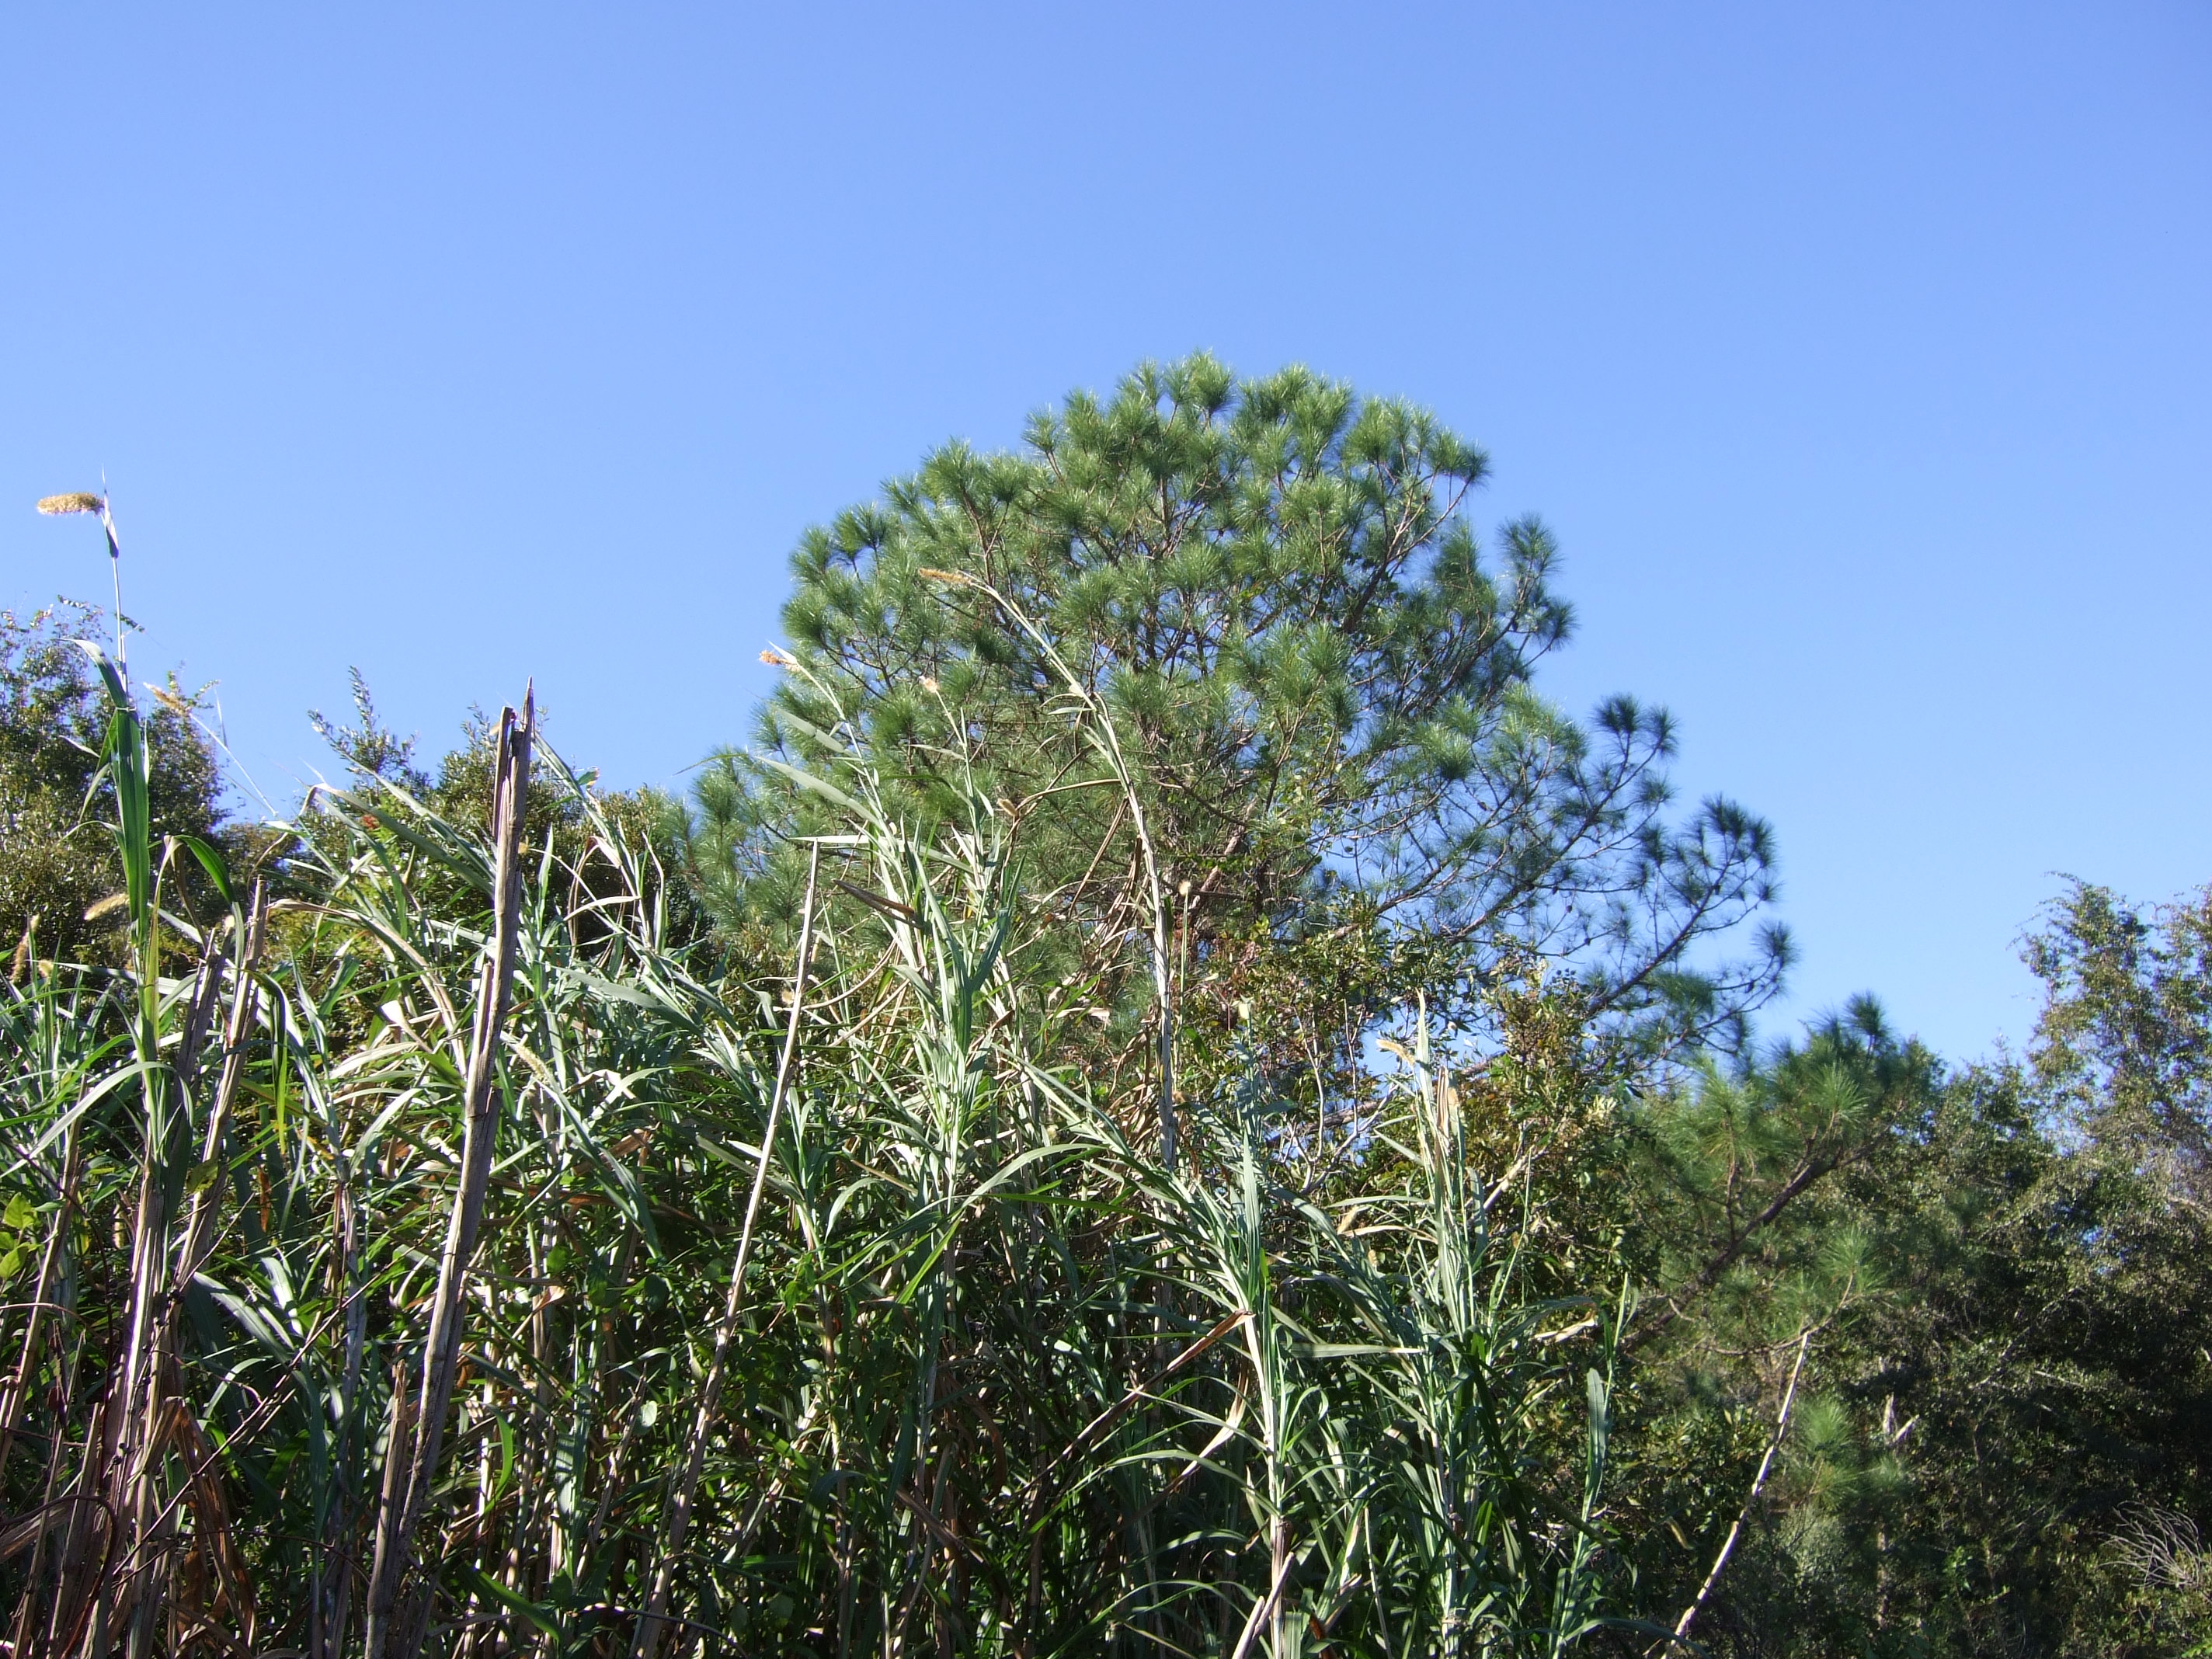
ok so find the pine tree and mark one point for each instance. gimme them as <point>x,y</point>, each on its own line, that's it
<point>1323,680</point>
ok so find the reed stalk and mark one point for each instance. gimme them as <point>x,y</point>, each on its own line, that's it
<point>679,1511</point>
<point>418,1424</point>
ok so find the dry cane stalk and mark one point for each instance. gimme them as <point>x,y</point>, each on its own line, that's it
<point>1268,1611</point>
<point>418,1423</point>
<point>131,1451</point>
<point>679,1518</point>
<point>243,1008</point>
<point>149,1427</point>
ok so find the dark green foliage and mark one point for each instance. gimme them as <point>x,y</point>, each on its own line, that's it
<point>1729,1179</point>
<point>2043,1338</point>
<point>56,857</point>
<point>2002,1441</point>
<point>2124,1049</point>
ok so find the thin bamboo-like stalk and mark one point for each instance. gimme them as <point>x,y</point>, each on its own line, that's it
<point>648,1640</point>
<point>1109,745</point>
<point>418,1424</point>
<point>125,1455</point>
<point>1758,1481</point>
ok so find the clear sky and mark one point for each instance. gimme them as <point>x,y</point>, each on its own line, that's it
<point>1859,356</point>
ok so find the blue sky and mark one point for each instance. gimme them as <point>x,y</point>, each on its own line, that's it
<point>1859,357</point>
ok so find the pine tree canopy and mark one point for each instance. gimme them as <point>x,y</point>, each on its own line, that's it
<point>1321,672</point>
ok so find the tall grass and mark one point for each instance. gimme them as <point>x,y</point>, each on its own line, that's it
<point>437,1259</point>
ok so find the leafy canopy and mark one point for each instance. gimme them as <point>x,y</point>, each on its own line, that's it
<point>56,861</point>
